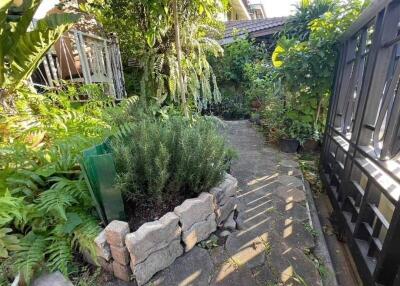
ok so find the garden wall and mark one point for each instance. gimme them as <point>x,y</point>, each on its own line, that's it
<point>155,245</point>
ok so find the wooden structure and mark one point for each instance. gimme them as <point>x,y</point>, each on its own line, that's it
<point>360,159</point>
<point>83,58</point>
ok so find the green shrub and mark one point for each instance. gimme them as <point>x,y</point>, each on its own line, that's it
<point>175,157</point>
<point>46,211</point>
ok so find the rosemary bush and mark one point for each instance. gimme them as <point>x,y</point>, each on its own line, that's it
<point>175,157</point>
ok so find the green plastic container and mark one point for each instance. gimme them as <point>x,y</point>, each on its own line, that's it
<point>99,169</point>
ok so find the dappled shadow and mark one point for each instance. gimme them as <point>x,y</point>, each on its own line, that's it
<point>274,240</point>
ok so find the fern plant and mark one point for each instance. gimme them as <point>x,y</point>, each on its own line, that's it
<point>39,154</point>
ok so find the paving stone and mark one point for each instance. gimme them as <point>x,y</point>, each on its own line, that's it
<point>230,274</point>
<point>194,268</point>
<point>289,163</point>
<point>245,248</point>
<point>290,194</point>
<point>52,279</point>
<point>259,224</point>
<point>195,210</point>
<point>290,171</point>
<point>296,211</point>
<point>265,276</point>
<point>198,232</point>
<point>225,233</point>
<point>120,254</point>
<point>290,181</point>
<point>116,232</point>
<point>273,238</point>
<point>121,271</point>
<point>218,255</point>
<point>102,247</point>
<point>153,236</point>
<point>294,233</point>
<point>157,261</point>
<point>290,263</point>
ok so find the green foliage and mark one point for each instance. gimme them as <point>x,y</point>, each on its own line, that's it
<point>148,36</point>
<point>44,200</point>
<point>22,49</point>
<point>160,159</point>
<point>305,59</point>
<point>237,56</point>
<point>31,256</point>
<point>235,73</point>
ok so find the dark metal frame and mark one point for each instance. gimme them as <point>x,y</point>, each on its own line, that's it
<point>360,158</point>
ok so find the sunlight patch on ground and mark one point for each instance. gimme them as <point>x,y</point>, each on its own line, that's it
<point>288,231</point>
<point>287,274</point>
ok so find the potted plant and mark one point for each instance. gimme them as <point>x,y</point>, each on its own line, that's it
<point>288,142</point>
<point>296,134</point>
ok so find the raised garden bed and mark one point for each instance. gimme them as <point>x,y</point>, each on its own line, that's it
<point>155,245</point>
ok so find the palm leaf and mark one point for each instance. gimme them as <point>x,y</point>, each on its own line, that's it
<point>32,46</point>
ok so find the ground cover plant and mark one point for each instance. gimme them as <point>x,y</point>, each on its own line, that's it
<point>161,162</point>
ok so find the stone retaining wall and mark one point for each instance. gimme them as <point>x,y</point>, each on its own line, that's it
<point>155,245</point>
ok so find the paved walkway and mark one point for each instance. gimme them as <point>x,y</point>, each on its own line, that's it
<point>274,243</point>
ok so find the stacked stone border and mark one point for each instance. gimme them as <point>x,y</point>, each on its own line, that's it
<point>156,245</point>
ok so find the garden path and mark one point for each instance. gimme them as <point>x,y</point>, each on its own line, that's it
<point>274,243</point>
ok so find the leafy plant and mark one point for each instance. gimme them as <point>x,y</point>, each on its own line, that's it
<point>44,200</point>
<point>159,160</point>
<point>236,72</point>
<point>22,48</point>
<point>169,41</point>
<point>306,54</point>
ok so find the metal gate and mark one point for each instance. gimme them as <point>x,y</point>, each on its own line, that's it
<point>360,159</point>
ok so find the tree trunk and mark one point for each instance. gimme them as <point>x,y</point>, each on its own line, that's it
<point>179,58</point>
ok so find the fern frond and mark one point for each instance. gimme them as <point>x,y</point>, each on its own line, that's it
<point>85,233</point>
<point>8,242</point>
<point>76,188</point>
<point>10,208</point>
<point>55,201</point>
<point>31,255</point>
<point>59,252</point>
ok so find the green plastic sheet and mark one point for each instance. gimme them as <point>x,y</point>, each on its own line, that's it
<point>100,174</point>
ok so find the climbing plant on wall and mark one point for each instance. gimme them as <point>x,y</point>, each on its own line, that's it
<point>306,55</point>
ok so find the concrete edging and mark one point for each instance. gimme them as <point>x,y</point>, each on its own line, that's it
<point>321,249</point>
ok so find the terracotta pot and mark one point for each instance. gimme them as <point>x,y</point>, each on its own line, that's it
<point>289,145</point>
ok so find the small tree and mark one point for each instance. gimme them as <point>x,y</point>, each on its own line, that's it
<point>170,40</point>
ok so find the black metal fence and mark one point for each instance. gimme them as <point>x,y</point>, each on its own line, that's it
<point>360,159</point>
